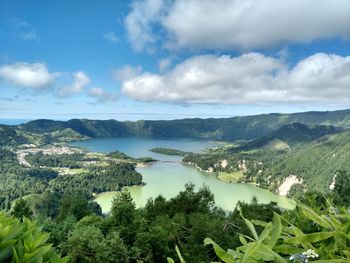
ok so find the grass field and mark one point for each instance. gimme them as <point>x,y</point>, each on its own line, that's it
<point>230,177</point>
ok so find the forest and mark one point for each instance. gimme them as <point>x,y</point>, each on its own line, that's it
<point>186,228</point>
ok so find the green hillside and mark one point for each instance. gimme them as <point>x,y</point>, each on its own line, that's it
<point>291,135</point>
<point>312,157</point>
<point>316,162</point>
<point>9,136</point>
<point>248,127</point>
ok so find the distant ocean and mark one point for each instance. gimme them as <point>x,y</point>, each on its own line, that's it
<point>13,121</point>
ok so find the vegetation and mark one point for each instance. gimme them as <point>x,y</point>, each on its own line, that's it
<point>57,191</point>
<point>290,134</point>
<point>99,179</point>
<point>122,156</point>
<point>301,235</point>
<point>55,160</point>
<point>9,136</point>
<point>228,129</point>
<point>257,232</point>
<point>17,181</point>
<point>148,234</point>
<point>25,242</point>
<point>268,166</point>
<point>169,151</point>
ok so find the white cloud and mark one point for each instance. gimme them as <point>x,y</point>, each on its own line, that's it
<point>101,95</point>
<point>127,72</point>
<point>77,86</point>
<point>35,76</point>
<point>251,78</point>
<point>111,37</point>
<point>140,21</point>
<point>236,24</point>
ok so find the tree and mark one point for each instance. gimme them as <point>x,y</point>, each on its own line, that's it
<point>88,244</point>
<point>342,187</point>
<point>21,209</point>
<point>77,205</point>
<point>124,217</point>
<point>189,201</point>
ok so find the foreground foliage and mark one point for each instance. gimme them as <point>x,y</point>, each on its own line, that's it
<point>302,235</point>
<point>24,242</point>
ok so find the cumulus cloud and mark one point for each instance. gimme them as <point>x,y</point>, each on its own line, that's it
<point>80,80</point>
<point>251,78</point>
<point>236,24</point>
<point>140,21</point>
<point>110,36</point>
<point>28,75</point>
<point>101,95</point>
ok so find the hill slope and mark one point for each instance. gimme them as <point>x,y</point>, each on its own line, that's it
<point>248,127</point>
<point>290,135</point>
<point>316,162</point>
<point>9,136</point>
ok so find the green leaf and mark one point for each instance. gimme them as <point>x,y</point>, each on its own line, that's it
<point>243,240</point>
<point>288,250</point>
<point>267,254</point>
<point>179,255</point>
<point>264,234</point>
<point>170,260</point>
<point>276,230</point>
<point>313,216</point>
<point>250,226</point>
<point>252,248</point>
<point>314,237</point>
<point>260,223</point>
<point>222,254</point>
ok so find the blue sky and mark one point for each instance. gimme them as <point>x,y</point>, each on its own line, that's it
<point>156,59</point>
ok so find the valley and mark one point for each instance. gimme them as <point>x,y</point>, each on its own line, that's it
<point>72,170</point>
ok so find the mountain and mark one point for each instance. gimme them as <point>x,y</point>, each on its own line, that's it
<point>235,128</point>
<point>289,135</point>
<point>9,136</point>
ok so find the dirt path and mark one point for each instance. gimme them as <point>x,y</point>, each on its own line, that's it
<point>22,160</point>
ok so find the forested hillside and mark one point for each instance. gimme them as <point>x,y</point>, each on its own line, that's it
<point>316,162</point>
<point>9,136</point>
<point>248,127</point>
<point>267,161</point>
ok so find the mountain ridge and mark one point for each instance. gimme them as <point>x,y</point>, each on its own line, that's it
<point>230,129</point>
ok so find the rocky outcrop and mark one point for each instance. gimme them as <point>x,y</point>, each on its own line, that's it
<point>287,184</point>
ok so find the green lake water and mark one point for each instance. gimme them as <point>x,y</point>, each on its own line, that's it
<point>169,176</point>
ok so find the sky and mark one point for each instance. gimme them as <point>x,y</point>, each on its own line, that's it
<point>169,59</point>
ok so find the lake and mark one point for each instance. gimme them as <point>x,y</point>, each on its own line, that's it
<point>169,176</point>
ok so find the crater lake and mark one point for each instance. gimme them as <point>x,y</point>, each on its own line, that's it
<point>168,176</point>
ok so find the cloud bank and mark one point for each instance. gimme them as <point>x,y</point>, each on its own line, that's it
<point>235,24</point>
<point>252,78</point>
